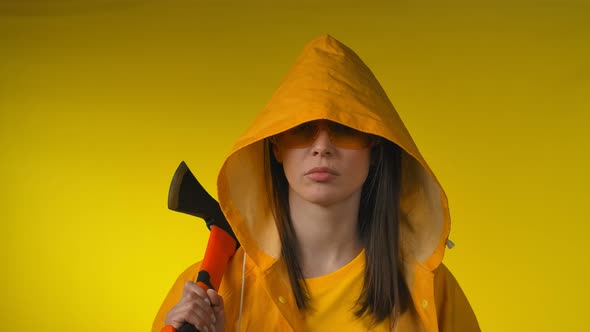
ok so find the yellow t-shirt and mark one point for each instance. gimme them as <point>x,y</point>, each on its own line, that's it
<point>333,298</point>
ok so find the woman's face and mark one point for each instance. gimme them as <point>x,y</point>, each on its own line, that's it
<point>322,172</point>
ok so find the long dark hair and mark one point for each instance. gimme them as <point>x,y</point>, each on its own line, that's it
<point>384,290</point>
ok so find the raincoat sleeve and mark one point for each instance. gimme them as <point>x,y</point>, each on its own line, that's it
<point>174,295</point>
<point>453,309</point>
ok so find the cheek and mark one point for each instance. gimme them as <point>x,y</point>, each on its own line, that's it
<point>359,166</point>
<point>291,164</point>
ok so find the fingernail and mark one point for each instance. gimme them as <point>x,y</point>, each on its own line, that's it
<point>213,319</point>
<point>207,301</point>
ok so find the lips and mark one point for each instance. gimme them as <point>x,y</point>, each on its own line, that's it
<point>321,174</point>
<point>321,170</point>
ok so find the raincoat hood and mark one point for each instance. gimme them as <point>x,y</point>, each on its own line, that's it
<point>329,81</point>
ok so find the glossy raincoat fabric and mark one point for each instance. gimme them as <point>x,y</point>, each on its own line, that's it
<point>329,81</point>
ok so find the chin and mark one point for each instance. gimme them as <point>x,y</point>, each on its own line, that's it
<point>322,201</point>
<point>322,195</point>
<point>323,198</point>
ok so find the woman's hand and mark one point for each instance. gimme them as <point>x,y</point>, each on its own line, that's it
<point>203,309</point>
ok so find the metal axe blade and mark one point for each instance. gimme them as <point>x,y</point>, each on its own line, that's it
<point>188,196</point>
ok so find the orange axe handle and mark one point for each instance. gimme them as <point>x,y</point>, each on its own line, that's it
<point>188,196</point>
<point>220,248</point>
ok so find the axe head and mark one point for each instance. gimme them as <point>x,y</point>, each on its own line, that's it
<point>186,195</point>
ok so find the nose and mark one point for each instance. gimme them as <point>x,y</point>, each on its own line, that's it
<point>322,144</point>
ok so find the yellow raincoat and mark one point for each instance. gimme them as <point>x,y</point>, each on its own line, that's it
<point>329,81</point>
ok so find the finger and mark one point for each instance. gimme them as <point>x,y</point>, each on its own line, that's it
<point>207,309</point>
<point>194,317</point>
<point>192,288</point>
<point>192,309</point>
<point>215,298</point>
<point>185,313</point>
<point>216,301</point>
<point>202,306</point>
<point>174,318</point>
<point>199,319</point>
<point>205,303</point>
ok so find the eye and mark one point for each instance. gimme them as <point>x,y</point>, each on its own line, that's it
<point>339,129</point>
<point>303,128</point>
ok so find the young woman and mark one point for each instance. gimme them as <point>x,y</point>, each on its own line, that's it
<point>342,224</point>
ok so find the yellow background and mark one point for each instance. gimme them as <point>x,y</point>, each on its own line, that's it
<point>101,100</point>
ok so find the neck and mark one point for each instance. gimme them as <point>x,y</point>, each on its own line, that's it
<point>327,235</point>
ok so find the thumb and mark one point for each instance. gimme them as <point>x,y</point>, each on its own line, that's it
<point>216,300</point>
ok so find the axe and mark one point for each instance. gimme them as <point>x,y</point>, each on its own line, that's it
<point>186,195</point>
